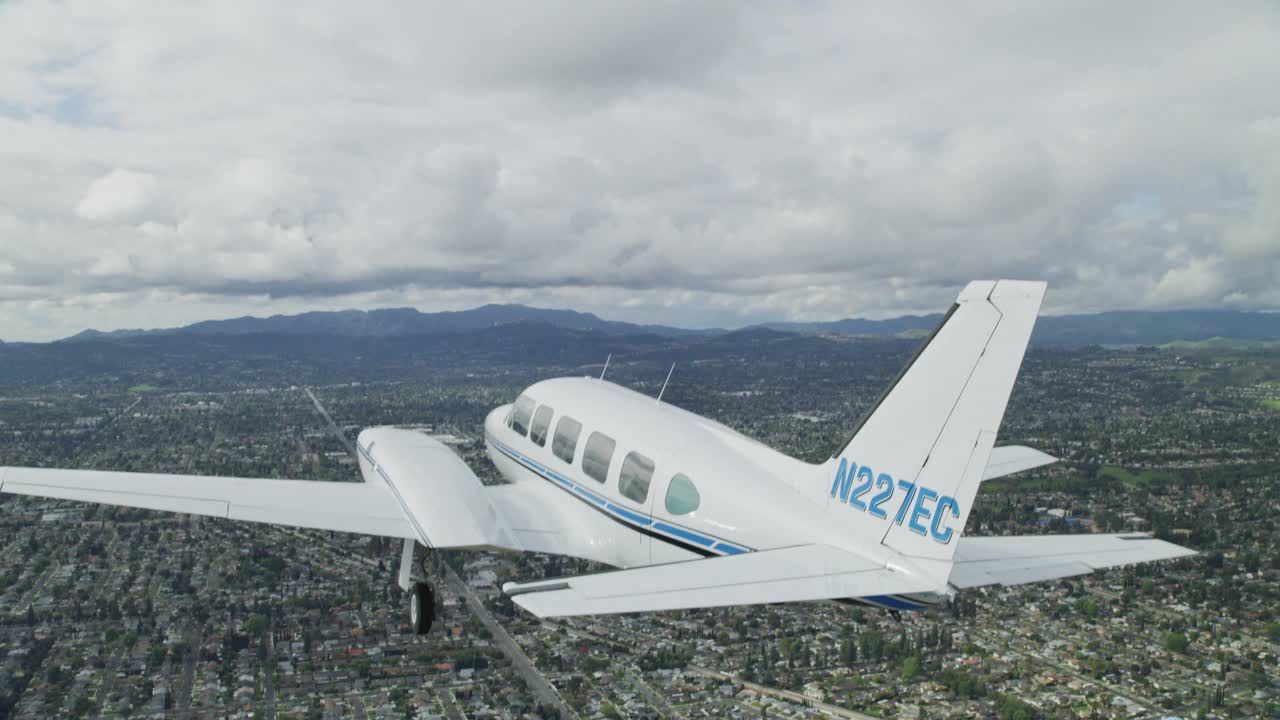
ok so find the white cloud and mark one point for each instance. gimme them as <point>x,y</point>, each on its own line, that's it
<point>814,160</point>
<point>118,195</point>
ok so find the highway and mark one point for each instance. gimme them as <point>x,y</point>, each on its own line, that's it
<point>269,670</point>
<point>537,682</point>
<point>333,426</point>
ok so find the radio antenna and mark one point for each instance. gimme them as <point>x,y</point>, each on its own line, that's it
<point>606,366</point>
<point>664,382</point>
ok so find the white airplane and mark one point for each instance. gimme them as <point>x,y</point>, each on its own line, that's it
<point>696,514</point>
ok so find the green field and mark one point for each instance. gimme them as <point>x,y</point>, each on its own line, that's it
<point>1219,343</point>
<point>1037,484</point>
<point>142,389</point>
<point>1131,478</point>
<point>1271,405</point>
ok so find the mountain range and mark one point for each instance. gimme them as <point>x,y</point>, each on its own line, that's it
<point>399,322</point>
<point>1108,328</point>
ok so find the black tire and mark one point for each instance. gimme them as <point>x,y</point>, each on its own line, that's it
<point>422,608</point>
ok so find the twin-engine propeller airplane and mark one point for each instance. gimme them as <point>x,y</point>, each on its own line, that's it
<point>697,514</point>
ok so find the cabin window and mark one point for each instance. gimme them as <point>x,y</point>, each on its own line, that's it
<point>633,480</point>
<point>541,423</point>
<point>597,456</point>
<point>682,496</point>
<point>565,442</point>
<point>521,414</point>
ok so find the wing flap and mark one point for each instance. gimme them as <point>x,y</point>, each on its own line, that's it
<point>796,574</point>
<point>1032,558</point>
<point>345,507</point>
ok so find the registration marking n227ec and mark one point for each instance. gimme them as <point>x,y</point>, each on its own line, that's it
<point>921,508</point>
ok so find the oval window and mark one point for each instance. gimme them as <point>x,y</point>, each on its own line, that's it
<point>682,496</point>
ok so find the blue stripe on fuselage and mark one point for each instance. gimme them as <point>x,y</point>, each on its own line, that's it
<point>615,510</point>
<point>633,517</point>
<point>684,534</point>
<point>894,602</point>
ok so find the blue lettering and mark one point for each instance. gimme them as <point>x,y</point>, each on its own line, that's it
<point>920,511</point>
<point>910,487</point>
<point>947,503</point>
<point>841,483</point>
<point>885,482</point>
<point>864,484</point>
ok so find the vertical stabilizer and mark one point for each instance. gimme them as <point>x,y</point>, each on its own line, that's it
<point>909,476</point>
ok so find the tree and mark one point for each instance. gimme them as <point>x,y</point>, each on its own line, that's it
<point>1176,642</point>
<point>255,625</point>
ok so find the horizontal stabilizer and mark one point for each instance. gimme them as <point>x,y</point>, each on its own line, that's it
<point>795,574</point>
<point>353,507</point>
<point>1010,459</point>
<point>1031,558</point>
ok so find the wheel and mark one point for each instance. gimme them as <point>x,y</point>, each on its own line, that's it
<point>422,608</point>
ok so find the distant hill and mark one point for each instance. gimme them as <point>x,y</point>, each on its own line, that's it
<point>1155,328</point>
<point>899,326</point>
<point>397,322</point>
<point>1109,328</point>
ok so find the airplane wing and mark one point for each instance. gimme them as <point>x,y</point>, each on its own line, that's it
<point>794,574</point>
<point>355,507</point>
<point>1009,459</point>
<point>1031,558</point>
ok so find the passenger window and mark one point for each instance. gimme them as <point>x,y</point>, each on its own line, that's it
<point>633,479</point>
<point>682,496</point>
<point>597,456</point>
<point>521,413</point>
<point>541,423</point>
<point>565,442</point>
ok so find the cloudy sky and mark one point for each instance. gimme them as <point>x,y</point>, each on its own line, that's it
<point>686,163</point>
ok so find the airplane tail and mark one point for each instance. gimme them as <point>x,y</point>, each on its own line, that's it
<point>909,476</point>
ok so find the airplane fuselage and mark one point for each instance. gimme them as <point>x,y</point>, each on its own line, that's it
<point>674,486</point>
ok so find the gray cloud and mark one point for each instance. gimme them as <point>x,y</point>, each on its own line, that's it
<point>807,161</point>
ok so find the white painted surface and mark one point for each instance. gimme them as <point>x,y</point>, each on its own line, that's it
<point>346,507</point>
<point>1010,459</point>
<point>1021,559</point>
<point>783,575</point>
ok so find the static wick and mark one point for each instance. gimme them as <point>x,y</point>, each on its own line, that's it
<point>664,382</point>
<point>606,366</point>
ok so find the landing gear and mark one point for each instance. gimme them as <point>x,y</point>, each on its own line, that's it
<point>422,608</point>
<point>422,596</point>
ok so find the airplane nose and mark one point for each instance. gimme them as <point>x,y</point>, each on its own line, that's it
<point>496,419</point>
